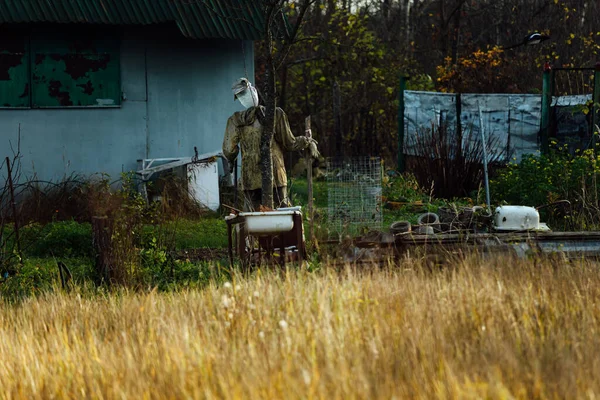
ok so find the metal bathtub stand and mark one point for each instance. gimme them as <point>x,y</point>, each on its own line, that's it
<point>291,241</point>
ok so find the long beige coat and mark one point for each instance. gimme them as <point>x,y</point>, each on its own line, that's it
<point>243,132</point>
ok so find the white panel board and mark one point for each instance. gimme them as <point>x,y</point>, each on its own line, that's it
<point>204,184</point>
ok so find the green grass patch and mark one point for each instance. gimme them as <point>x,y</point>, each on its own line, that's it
<point>298,192</point>
<point>73,239</point>
<point>58,239</point>
<point>209,232</point>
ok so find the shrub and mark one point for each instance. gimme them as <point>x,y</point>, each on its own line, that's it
<point>33,278</point>
<point>544,179</point>
<point>40,275</point>
<point>60,239</point>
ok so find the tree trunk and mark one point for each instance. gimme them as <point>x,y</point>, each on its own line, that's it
<point>337,119</point>
<point>266,162</point>
<point>456,36</point>
<point>284,76</point>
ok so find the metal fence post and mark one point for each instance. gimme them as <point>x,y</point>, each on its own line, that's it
<point>546,108</point>
<point>595,103</point>
<point>459,129</point>
<point>401,160</point>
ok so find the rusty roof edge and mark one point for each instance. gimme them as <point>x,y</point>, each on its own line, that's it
<point>198,20</point>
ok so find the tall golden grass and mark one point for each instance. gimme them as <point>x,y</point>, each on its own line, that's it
<point>498,328</point>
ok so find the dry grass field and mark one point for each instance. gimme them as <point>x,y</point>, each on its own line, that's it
<point>495,329</point>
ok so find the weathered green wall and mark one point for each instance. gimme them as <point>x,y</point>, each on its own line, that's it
<point>177,95</point>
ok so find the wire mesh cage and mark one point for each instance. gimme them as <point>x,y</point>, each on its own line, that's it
<point>354,195</point>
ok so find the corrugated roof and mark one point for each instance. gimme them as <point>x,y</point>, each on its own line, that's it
<point>227,19</point>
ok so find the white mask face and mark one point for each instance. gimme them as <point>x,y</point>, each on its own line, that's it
<point>248,98</point>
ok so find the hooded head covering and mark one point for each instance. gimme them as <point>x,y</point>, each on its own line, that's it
<point>245,93</point>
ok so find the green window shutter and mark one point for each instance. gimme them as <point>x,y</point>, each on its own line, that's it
<point>14,69</point>
<point>76,70</point>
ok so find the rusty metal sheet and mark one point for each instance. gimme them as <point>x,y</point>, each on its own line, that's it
<point>79,72</point>
<point>14,70</point>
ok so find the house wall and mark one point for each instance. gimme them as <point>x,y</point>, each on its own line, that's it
<point>177,95</point>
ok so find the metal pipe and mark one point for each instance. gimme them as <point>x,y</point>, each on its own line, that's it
<point>401,106</point>
<point>546,108</point>
<point>485,161</point>
<point>595,101</point>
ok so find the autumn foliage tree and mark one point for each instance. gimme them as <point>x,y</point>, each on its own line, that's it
<point>339,59</point>
<point>350,53</point>
<point>478,72</point>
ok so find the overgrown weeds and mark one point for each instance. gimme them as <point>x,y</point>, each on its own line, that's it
<point>450,163</point>
<point>139,237</point>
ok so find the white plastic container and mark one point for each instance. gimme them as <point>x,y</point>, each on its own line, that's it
<point>517,218</point>
<point>204,184</point>
<point>270,222</point>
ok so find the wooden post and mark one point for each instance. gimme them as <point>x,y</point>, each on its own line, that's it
<point>299,238</point>
<point>229,245</point>
<point>309,181</point>
<point>13,203</point>
<point>282,251</point>
<point>101,241</point>
<point>235,184</point>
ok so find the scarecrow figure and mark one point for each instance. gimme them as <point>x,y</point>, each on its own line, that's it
<point>243,132</point>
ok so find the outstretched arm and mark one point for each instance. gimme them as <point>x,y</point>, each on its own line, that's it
<point>284,134</point>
